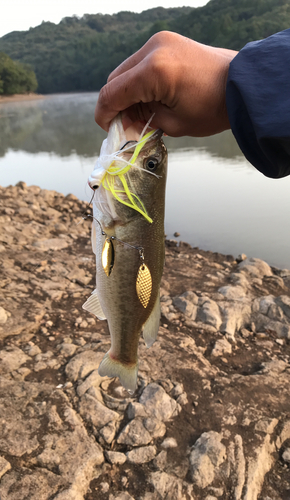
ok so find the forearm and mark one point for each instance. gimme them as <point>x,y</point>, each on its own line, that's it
<point>258,103</point>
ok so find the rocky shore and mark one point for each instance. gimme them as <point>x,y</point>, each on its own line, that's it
<point>211,416</point>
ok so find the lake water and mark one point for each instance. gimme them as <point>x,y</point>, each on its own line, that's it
<point>215,199</point>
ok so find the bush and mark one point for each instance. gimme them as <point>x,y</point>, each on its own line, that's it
<point>15,78</point>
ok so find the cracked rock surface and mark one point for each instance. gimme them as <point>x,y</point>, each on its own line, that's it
<point>211,415</point>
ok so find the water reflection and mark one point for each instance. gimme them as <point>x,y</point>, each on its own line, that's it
<point>214,198</point>
<point>64,124</point>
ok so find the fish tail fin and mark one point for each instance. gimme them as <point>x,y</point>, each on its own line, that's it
<point>113,368</point>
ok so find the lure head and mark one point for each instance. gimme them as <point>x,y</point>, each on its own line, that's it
<point>130,174</point>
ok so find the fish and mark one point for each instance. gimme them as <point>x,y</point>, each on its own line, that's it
<point>128,240</point>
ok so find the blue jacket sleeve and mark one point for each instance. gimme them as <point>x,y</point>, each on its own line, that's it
<point>258,103</point>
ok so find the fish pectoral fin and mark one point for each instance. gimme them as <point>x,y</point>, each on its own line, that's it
<point>113,368</point>
<point>151,327</point>
<point>94,237</point>
<point>93,306</point>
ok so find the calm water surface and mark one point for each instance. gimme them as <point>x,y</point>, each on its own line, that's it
<point>215,199</point>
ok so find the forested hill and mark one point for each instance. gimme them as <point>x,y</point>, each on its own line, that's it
<point>79,53</point>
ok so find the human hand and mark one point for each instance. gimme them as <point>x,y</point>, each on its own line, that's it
<point>183,82</point>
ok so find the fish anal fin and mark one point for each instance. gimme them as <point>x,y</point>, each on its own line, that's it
<point>113,368</point>
<point>151,327</point>
<point>93,306</point>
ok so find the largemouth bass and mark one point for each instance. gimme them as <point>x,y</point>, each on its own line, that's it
<point>128,239</point>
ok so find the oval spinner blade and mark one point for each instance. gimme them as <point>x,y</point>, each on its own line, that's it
<point>144,285</point>
<point>108,256</point>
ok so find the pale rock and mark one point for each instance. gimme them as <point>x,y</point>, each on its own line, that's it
<point>32,484</point>
<point>255,267</point>
<point>182,399</point>
<point>157,403</point>
<point>210,497</point>
<point>232,292</point>
<point>41,365</point>
<point>134,434</point>
<point>177,391</point>
<point>123,495</point>
<point>108,432</point>
<point>115,457</point>
<point>265,303</point>
<point>51,244</point>
<point>221,347</point>
<point>169,442</point>
<point>93,380</point>
<point>48,459</point>
<point>241,257</point>
<point>209,313</point>
<point>266,425</point>
<point>286,455</point>
<point>4,466</point>
<point>82,364</point>
<point>134,410</point>
<point>207,454</point>
<point>186,307</point>
<point>3,316</point>
<point>33,350</point>
<point>275,312</point>
<point>104,487</point>
<point>11,359</point>
<point>191,296</point>
<point>156,428</point>
<point>141,455</point>
<point>285,434</point>
<point>258,466</point>
<point>67,349</point>
<point>240,279</point>
<point>284,302</point>
<point>160,461</point>
<point>168,487</point>
<point>273,367</point>
<point>95,412</point>
<point>236,315</point>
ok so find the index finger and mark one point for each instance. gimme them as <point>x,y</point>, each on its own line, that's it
<point>122,92</point>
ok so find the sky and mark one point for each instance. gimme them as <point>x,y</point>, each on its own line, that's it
<point>20,15</point>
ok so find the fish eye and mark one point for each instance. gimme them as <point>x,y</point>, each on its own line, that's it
<point>151,163</point>
<point>95,187</point>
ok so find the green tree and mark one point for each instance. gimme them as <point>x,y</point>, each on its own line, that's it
<point>15,78</point>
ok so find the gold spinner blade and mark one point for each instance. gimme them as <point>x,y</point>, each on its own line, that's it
<point>144,285</point>
<point>108,256</point>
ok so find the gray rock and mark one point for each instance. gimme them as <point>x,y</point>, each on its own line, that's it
<point>236,315</point>
<point>141,455</point>
<point>11,359</point>
<point>186,307</point>
<point>4,466</point>
<point>82,364</point>
<point>209,313</point>
<point>177,391</point>
<point>169,442</point>
<point>123,495</point>
<point>286,455</point>
<point>134,434</point>
<point>207,454</point>
<point>95,412</point>
<point>92,381</point>
<point>108,432</point>
<point>221,347</point>
<point>284,302</point>
<point>182,399</point>
<point>232,292</point>
<point>167,486</point>
<point>31,484</point>
<point>67,349</point>
<point>157,402</point>
<point>255,267</point>
<point>115,457</point>
<point>160,461</point>
<point>156,428</point>
<point>266,425</point>
<point>33,350</point>
<point>135,410</point>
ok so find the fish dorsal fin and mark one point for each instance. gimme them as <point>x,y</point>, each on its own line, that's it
<point>94,238</point>
<point>150,329</point>
<point>93,306</point>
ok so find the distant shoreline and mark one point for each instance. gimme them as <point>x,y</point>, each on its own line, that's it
<point>20,97</point>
